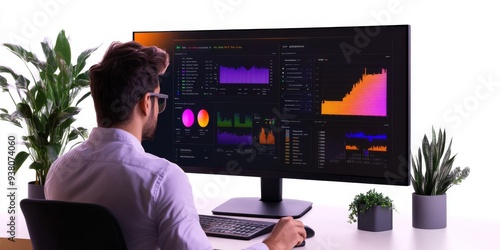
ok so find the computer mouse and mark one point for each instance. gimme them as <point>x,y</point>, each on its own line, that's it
<point>301,244</point>
<point>309,232</point>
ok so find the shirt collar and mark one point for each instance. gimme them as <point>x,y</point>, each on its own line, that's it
<point>115,134</point>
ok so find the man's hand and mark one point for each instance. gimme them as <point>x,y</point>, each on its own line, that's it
<point>286,234</point>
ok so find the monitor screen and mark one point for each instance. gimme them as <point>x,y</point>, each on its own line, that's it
<point>309,103</point>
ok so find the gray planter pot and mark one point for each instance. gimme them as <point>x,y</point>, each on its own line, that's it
<point>35,191</point>
<point>375,219</point>
<point>429,211</point>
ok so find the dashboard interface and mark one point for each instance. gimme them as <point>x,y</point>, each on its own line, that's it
<point>323,103</point>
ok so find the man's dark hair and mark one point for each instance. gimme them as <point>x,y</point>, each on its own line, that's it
<point>126,73</point>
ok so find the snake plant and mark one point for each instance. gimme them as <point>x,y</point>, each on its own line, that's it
<point>433,172</point>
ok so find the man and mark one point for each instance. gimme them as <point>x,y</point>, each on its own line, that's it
<point>150,196</point>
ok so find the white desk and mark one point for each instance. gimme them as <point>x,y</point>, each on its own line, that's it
<point>333,232</point>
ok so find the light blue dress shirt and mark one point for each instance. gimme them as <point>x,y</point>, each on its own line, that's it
<point>150,196</point>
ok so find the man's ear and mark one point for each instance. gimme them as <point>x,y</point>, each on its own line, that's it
<point>144,104</point>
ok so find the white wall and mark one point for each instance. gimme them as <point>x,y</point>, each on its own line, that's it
<point>455,77</point>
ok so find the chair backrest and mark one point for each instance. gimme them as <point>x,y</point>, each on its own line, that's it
<point>58,225</point>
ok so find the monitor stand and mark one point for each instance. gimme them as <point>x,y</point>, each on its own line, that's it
<point>270,205</point>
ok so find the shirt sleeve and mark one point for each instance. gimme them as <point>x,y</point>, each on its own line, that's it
<point>178,221</point>
<point>258,246</point>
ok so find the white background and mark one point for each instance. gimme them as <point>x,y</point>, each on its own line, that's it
<point>454,67</point>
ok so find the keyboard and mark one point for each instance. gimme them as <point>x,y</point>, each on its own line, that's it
<point>241,229</point>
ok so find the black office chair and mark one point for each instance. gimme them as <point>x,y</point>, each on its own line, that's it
<point>56,225</point>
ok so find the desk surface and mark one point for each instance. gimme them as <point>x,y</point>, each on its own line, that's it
<point>334,232</point>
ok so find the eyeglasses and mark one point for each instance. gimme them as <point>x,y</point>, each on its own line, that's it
<point>162,101</point>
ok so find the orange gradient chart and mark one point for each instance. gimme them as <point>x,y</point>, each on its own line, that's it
<point>203,118</point>
<point>367,97</point>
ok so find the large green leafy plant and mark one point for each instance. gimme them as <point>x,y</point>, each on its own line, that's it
<point>45,101</point>
<point>434,173</point>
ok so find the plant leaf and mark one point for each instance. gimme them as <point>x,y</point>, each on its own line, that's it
<point>53,151</point>
<point>79,83</point>
<point>40,100</point>
<point>39,127</point>
<point>22,82</point>
<point>73,134</point>
<point>5,69</point>
<point>65,118</point>
<point>19,160</point>
<point>51,65</point>
<point>12,118</point>
<point>62,48</point>
<point>37,165</point>
<point>67,122</point>
<point>24,110</point>
<point>80,63</point>
<point>4,84</point>
<point>23,54</point>
<point>82,98</point>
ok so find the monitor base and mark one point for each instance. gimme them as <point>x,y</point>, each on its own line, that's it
<point>255,207</point>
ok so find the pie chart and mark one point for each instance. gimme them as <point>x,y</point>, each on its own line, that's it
<point>203,118</point>
<point>188,118</point>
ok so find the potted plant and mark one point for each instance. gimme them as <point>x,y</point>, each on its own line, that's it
<point>45,102</point>
<point>372,211</point>
<point>433,174</point>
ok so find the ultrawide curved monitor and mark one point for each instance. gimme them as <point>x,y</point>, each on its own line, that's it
<point>309,103</point>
